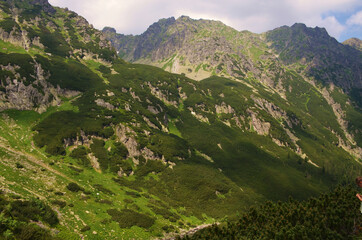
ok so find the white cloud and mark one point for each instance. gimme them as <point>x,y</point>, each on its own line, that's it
<point>332,25</point>
<point>355,19</point>
<point>256,16</point>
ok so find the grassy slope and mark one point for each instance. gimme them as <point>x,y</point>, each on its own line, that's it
<point>44,176</point>
<point>246,169</point>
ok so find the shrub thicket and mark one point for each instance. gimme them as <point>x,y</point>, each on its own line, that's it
<point>128,218</point>
<point>16,217</point>
<point>73,187</point>
<point>331,216</point>
<point>80,153</point>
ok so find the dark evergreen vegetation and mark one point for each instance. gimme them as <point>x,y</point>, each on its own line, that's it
<point>127,218</point>
<point>334,215</point>
<point>18,218</point>
<point>180,152</point>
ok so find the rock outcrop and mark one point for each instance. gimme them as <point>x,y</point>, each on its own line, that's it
<point>39,95</point>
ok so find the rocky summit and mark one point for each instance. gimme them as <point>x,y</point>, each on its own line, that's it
<point>97,144</point>
<point>354,42</point>
<point>201,48</point>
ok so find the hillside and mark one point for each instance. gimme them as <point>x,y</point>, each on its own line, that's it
<point>203,48</point>
<point>95,147</point>
<point>181,45</point>
<point>327,217</point>
<point>354,42</point>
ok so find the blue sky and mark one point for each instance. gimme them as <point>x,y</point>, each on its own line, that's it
<point>352,29</point>
<point>341,18</point>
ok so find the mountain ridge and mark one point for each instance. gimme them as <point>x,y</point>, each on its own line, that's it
<point>354,42</point>
<point>202,48</point>
<point>111,148</point>
<point>139,49</point>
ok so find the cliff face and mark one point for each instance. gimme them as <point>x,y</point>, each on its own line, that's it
<point>16,92</point>
<point>325,59</point>
<point>198,48</point>
<point>28,81</point>
<point>204,48</point>
<point>187,46</point>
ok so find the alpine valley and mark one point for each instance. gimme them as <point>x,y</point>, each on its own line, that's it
<point>109,136</point>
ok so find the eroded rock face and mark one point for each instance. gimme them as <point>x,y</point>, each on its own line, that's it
<point>261,127</point>
<point>100,102</point>
<point>128,137</point>
<point>327,60</point>
<point>161,95</point>
<point>198,116</point>
<point>274,111</point>
<point>14,37</point>
<point>223,108</point>
<point>38,95</point>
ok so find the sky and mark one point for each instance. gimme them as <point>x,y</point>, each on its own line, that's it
<point>341,18</point>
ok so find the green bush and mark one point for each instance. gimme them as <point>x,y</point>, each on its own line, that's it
<point>70,74</point>
<point>27,70</point>
<point>101,188</point>
<point>34,210</point>
<point>105,201</point>
<point>59,203</point>
<point>107,132</point>
<point>169,145</point>
<point>64,125</point>
<point>86,228</point>
<point>168,228</point>
<point>128,218</point>
<point>73,187</point>
<point>150,166</point>
<point>331,216</point>
<point>101,153</point>
<point>8,24</point>
<point>80,153</point>
<point>32,231</point>
<point>120,150</point>
<point>105,70</point>
<point>19,165</point>
<point>165,213</point>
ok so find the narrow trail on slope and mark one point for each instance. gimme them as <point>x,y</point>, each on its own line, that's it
<point>34,160</point>
<point>188,232</point>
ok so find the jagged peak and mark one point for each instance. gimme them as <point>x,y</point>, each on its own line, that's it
<point>43,3</point>
<point>299,25</point>
<point>162,23</point>
<point>109,29</point>
<point>187,19</point>
<point>301,28</point>
<point>354,42</point>
<point>184,18</point>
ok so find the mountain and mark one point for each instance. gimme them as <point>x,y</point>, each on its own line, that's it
<point>93,147</point>
<point>354,42</point>
<point>324,59</point>
<point>198,48</point>
<point>182,45</point>
<point>204,48</point>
